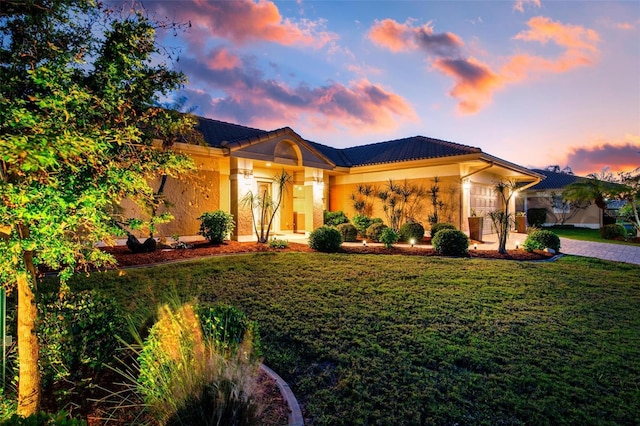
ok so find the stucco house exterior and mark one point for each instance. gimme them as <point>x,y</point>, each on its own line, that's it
<point>237,159</point>
<point>548,194</point>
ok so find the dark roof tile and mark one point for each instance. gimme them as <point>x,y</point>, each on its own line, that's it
<point>553,180</point>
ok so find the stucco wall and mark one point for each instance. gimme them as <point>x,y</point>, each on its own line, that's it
<point>590,217</point>
<point>341,190</point>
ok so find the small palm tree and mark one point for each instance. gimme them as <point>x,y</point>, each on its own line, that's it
<point>266,206</point>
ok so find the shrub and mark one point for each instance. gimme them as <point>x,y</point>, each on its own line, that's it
<point>226,327</point>
<point>536,217</point>
<point>439,226</point>
<point>389,237</point>
<point>363,222</point>
<point>184,378</point>
<point>348,231</point>
<point>279,244</point>
<point>78,336</point>
<point>412,230</point>
<point>540,239</point>
<point>451,242</point>
<point>326,239</point>
<point>335,218</point>
<point>215,226</point>
<point>375,230</point>
<point>613,231</point>
<point>43,419</point>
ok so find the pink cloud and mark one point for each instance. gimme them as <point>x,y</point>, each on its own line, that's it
<point>625,26</point>
<point>616,157</point>
<point>244,21</point>
<point>572,37</point>
<point>222,59</point>
<point>474,85</point>
<point>246,96</point>
<point>399,37</point>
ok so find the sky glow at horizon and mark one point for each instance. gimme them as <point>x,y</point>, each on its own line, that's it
<point>533,82</point>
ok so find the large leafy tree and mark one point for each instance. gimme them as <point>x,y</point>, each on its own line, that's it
<point>630,191</point>
<point>79,86</point>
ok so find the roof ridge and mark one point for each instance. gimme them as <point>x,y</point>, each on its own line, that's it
<point>434,140</point>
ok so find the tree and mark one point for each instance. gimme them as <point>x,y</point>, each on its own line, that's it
<point>594,188</point>
<point>363,199</point>
<point>562,210</point>
<point>266,206</point>
<point>436,203</point>
<point>630,191</point>
<point>400,202</point>
<point>502,219</point>
<point>78,117</point>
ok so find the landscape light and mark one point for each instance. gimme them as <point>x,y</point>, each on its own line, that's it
<point>364,243</point>
<point>475,246</point>
<point>412,241</point>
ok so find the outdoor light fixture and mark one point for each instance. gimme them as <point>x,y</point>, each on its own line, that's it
<point>412,241</point>
<point>475,246</point>
<point>364,243</point>
<point>517,244</point>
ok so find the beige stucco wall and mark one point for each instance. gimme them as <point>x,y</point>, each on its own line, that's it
<point>590,217</point>
<point>342,187</point>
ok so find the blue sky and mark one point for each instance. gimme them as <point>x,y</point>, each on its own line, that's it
<point>534,82</point>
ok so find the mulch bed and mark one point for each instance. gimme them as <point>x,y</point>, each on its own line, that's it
<point>125,257</point>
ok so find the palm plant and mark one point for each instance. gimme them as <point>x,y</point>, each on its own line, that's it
<point>265,206</point>
<point>502,219</point>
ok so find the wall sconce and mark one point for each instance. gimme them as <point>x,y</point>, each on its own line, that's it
<point>466,183</point>
<point>412,241</point>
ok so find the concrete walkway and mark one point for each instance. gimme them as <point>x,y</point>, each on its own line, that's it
<point>615,252</point>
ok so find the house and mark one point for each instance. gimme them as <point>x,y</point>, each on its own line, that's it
<point>237,159</point>
<point>547,194</point>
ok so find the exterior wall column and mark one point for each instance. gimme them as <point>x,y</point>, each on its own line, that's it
<point>465,205</point>
<point>313,199</point>
<point>241,182</point>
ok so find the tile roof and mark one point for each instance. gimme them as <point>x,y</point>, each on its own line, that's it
<point>553,180</point>
<point>216,132</point>
<point>219,134</point>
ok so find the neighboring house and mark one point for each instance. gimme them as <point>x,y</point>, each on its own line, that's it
<point>548,194</point>
<point>238,159</point>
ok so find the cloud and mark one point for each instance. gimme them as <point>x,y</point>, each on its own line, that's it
<point>399,37</point>
<point>617,156</point>
<point>246,96</point>
<point>625,26</point>
<point>474,82</point>
<point>519,4</point>
<point>242,22</point>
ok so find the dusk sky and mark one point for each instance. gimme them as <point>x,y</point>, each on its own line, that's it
<point>533,82</point>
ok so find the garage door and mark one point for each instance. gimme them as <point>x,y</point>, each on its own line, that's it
<point>483,200</point>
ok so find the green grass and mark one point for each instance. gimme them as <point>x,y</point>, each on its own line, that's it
<point>386,340</point>
<point>585,234</point>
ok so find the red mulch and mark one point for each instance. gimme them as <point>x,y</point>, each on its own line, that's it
<point>201,249</point>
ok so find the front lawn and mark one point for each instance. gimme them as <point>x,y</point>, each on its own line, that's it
<point>386,340</point>
<point>586,234</point>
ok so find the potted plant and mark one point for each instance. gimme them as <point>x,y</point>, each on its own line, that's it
<point>521,222</point>
<point>475,226</point>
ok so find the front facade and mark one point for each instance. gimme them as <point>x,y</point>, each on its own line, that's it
<point>237,160</point>
<point>548,195</point>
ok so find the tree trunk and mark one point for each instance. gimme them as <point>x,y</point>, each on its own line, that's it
<point>28,350</point>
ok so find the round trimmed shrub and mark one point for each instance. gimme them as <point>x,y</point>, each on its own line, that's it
<point>348,231</point>
<point>613,231</point>
<point>215,226</point>
<point>375,230</point>
<point>389,237</point>
<point>412,230</point>
<point>325,239</point>
<point>440,226</point>
<point>536,217</point>
<point>451,242</point>
<point>540,239</point>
